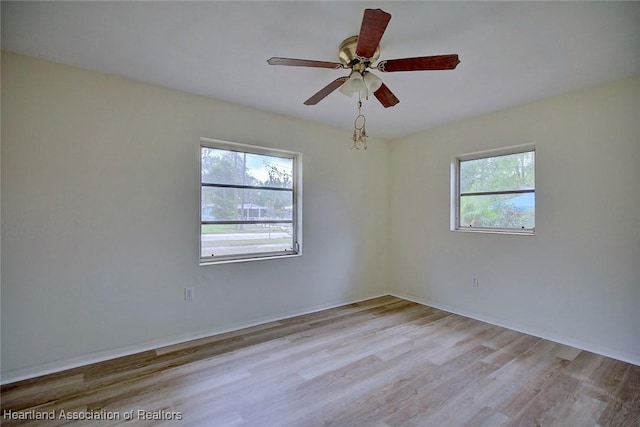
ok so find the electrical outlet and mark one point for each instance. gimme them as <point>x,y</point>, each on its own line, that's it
<point>188,294</point>
<point>475,282</point>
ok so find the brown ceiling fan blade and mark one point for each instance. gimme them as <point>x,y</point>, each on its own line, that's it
<point>439,62</point>
<point>292,62</point>
<point>374,22</point>
<point>386,97</point>
<point>325,91</point>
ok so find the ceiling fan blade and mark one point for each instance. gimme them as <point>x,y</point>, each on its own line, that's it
<point>439,62</point>
<point>374,22</point>
<point>386,97</point>
<point>304,63</point>
<point>322,93</point>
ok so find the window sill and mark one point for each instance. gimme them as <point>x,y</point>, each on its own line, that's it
<point>496,231</point>
<point>209,261</point>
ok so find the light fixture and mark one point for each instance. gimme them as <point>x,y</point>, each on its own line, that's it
<point>355,83</point>
<point>372,82</point>
<point>364,83</point>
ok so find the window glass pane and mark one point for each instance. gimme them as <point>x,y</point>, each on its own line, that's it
<point>501,173</point>
<point>270,171</point>
<point>516,211</point>
<point>235,204</point>
<point>223,167</point>
<point>236,168</point>
<point>227,239</point>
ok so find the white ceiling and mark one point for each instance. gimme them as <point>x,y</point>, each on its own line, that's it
<point>511,52</point>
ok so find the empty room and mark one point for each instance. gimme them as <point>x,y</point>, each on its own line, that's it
<point>316,213</point>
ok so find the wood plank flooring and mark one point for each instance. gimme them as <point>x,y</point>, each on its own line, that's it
<point>384,362</point>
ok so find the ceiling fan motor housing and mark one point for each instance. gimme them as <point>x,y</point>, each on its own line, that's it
<point>348,56</point>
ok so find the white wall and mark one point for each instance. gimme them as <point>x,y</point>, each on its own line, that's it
<point>100,188</point>
<point>578,279</point>
<point>100,206</point>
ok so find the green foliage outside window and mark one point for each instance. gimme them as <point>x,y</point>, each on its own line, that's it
<point>498,192</point>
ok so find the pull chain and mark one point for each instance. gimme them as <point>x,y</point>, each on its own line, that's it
<point>359,137</point>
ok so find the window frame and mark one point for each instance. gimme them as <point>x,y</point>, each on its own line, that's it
<point>456,194</point>
<point>296,190</point>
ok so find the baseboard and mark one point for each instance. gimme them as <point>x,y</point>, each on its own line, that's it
<point>525,329</point>
<point>101,356</point>
<point>75,362</point>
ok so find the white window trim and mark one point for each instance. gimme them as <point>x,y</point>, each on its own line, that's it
<point>297,200</point>
<point>455,189</point>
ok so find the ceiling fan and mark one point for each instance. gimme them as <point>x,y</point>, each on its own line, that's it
<point>357,53</point>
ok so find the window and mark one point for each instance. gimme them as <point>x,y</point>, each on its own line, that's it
<point>495,191</point>
<point>249,202</point>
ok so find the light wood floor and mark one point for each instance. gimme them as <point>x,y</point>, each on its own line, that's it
<point>382,362</point>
